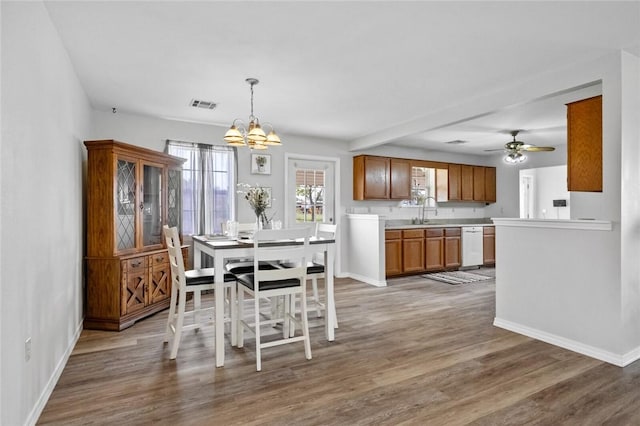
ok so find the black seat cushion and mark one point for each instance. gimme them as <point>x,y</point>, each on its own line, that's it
<point>248,280</point>
<point>238,268</point>
<point>312,267</point>
<point>204,276</point>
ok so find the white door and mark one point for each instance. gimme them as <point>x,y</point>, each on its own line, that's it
<point>310,191</point>
<point>527,201</point>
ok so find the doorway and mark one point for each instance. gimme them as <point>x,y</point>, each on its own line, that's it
<point>312,194</point>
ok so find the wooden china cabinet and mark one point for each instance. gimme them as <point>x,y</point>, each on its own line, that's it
<point>131,193</point>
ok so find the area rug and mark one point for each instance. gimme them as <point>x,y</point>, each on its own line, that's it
<point>457,277</point>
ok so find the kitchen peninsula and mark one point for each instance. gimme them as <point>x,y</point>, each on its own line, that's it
<point>382,248</point>
<point>554,283</point>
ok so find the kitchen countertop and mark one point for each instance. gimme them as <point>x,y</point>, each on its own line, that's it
<point>441,223</point>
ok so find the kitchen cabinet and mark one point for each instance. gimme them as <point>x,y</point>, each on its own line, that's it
<point>434,249</point>
<point>371,177</point>
<point>382,178</point>
<point>489,245</point>
<point>400,182</point>
<point>479,183</point>
<point>452,248</point>
<point>393,252</point>
<point>131,193</point>
<point>490,185</point>
<point>455,182</point>
<point>413,258</point>
<point>466,181</point>
<point>584,145</point>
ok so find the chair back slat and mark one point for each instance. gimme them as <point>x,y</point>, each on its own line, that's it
<point>295,251</point>
<point>176,260</point>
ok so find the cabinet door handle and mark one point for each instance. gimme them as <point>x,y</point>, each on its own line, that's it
<point>141,206</point>
<point>136,264</point>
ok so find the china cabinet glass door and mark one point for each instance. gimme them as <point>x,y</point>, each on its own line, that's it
<point>126,205</point>
<point>151,214</point>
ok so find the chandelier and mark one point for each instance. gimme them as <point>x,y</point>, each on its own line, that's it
<point>253,136</point>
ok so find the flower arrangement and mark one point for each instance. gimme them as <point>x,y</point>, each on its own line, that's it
<point>258,198</point>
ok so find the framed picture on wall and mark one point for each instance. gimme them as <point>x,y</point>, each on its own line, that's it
<point>260,164</point>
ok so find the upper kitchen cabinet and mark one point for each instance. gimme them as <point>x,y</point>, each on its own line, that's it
<point>400,184</point>
<point>381,178</point>
<point>466,177</point>
<point>584,145</point>
<point>455,182</point>
<point>478,183</point>
<point>490,185</point>
<point>371,177</point>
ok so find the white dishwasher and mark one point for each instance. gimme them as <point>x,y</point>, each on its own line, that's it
<point>472,246</point>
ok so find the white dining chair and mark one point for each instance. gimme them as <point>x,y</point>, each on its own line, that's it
<point>193,281</point>
<point>287,282</point>
<point>316,269</point>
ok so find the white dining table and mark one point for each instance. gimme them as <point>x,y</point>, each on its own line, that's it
<point>223,249</point>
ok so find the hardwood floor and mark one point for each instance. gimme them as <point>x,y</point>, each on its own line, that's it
<point>415,352</point>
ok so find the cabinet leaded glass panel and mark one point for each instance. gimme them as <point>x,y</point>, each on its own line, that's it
<point>174,198</point>
<point>125,221</point>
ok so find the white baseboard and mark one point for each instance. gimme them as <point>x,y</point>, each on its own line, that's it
<point>367,280</point>
<point>572,345</point>
<point>34,415</point>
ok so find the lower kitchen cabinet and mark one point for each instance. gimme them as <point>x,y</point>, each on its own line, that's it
<point>413,258</point>
<point>489,245</point>
<point>452,248</point>
<point>434,249</point>
<point>393,253</point>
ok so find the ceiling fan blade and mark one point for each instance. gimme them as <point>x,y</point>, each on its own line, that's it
<point>532,148</point>
<point>494,150</point>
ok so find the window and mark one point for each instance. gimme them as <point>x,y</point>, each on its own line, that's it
<point>310,188</point>
<point>208,186</point>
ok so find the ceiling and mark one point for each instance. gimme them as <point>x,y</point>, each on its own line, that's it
<point>344,70</point>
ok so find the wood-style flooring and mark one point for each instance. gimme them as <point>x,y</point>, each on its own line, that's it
<point>416,352</point>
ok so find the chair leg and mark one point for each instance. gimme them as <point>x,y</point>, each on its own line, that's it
<point>305,323</point>
<point>240,318</point>
<point>197,304</point>
<point>233,313</point>
<point>172,312</point>
<point>292,311</point>
<point>316,298</point>
<point>286,324</point>
<point>182,300</point>
<point>256,303</point>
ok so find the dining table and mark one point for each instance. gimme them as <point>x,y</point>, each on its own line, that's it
<point>223,248</point>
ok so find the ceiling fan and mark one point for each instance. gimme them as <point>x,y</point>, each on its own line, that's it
<point>515,149</point>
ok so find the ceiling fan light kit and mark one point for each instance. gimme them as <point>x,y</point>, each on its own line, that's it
<point>253,136</point>
<point>515,148</point>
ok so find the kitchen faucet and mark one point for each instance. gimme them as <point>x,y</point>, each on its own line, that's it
<point>424,208</point>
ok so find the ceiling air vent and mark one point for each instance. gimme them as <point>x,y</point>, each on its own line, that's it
<point>202,104</point>
<point>456,142</point>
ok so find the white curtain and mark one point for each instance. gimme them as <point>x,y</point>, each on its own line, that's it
<point>208,186</point>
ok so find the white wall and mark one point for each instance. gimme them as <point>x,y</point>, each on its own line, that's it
<point>605,315</point>
<point>549,183</point>
<point>153,132</point>
<point>45,116</point>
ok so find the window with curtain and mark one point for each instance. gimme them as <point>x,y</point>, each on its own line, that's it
<point>208,186</point>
